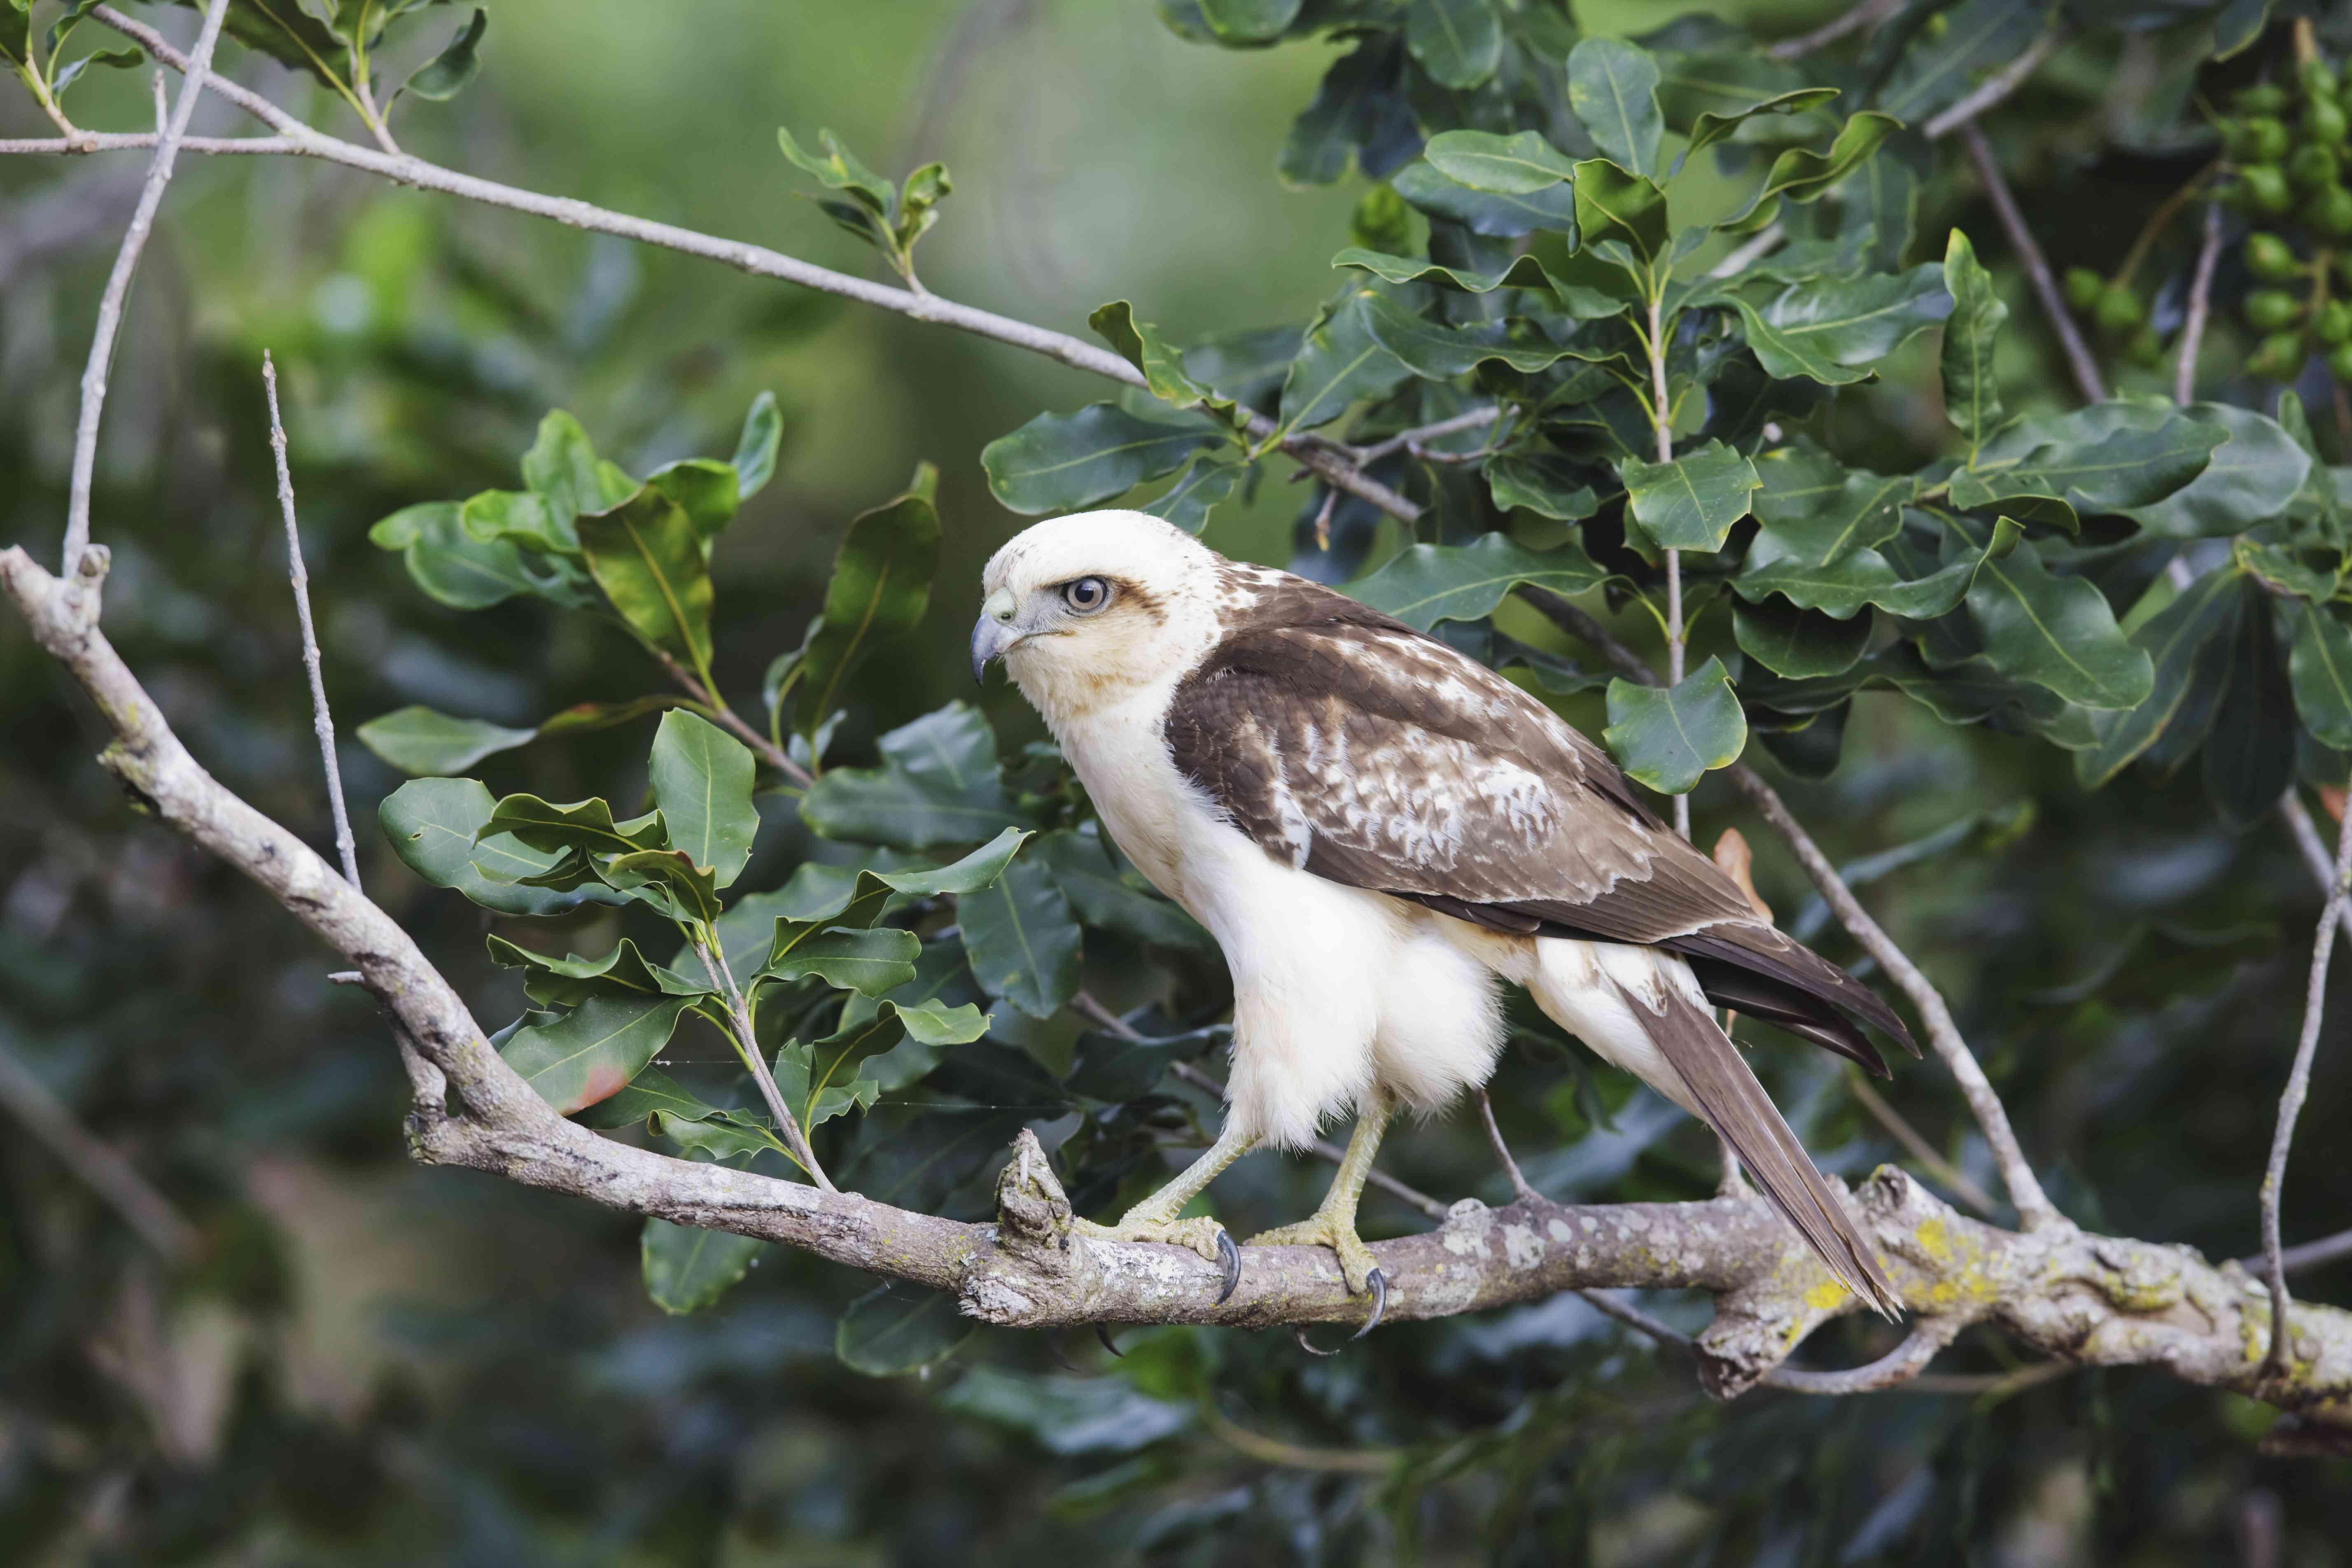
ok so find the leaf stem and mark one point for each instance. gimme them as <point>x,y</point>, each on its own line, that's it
<point>1662,432</point>
<point>747,1046</point>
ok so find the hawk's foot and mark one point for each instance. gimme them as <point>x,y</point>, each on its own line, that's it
<point>1200,1235</point>
<point>1323,1228</point>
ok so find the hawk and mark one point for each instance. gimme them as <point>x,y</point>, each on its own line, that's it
<point>1378,830</point>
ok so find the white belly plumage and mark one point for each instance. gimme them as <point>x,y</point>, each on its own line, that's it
<point>1341,993</point>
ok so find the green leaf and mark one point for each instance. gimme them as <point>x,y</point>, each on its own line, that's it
<point>1691,503</point>
<point>2250,756</point>
<point>1817,509</point>
<point>1066,462</point>
<point>2174,639</point>
<point>1711,126</point>
<point>592,1051</point>
<point>1861,577</point>
<point>1423,584</point>
<point>837,169</point>
<point>1799,643</point>
<point>940,783</point>
<point>2250,480</point>
<point>1439,352</point>
<point>688,1269</point>
<point>646,554</point>
<point>1499,214</point>
<point>896,1329</point>
<point>823,896</point>
<point>1718,92</point>
<point>651,1093</point>
<point>1248,21</point>
<point>2131,466</point>
<point>522,515</point>
<point>1537,482</point>
<point>586,825</point>
<point>2057,633</point>
<point>1833,331</point>
<point>2321,672</point>
<point>456,569</point>
<point>871,962</point>
<point>1458,42</point>
<point>708,490</point>
<point>1022,939</point>
<point>1612,203</point>
<point>1523,272</point>
<point>1105,899</point>
<point>1974,38</point>
<point>1068,1414</point>
<point>445,75</point>
<point>417,740</point>
<point>2279,569</point>
<point>1203,487</point>
<point>1139,344</point>
<point>434,826</point>
<point>1505,165</point>
<point>1801,174</point>
<point>1356,106</point>
<point>570,979</point>
<point>1340,363</point>
<point>879,591</point>
<point>562,469</point>
<point>1971,390</point>
<point>1613,88</point>
<point>668,879</point>
<point>701,780</point>
<point>1670,737</point>
<point>756,447</point>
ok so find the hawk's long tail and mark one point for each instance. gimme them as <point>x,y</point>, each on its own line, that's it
<point>1725,1095</point>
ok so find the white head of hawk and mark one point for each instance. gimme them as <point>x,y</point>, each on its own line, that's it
<point>1378,830</point>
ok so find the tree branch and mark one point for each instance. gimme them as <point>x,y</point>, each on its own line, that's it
<point>2037,269</point>
<point>1321,458</point>
<point>113,1178</point>
<point>323,723</point>
<point>118,284</point>
<point>2088,1299</point>
<point>2200,305</point>
<point>2298,1083</point>
<point>2314,851</point>
<point>1868,13</point>
<point>1998,86</point>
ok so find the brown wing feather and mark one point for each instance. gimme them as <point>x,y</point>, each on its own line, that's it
<point>1347,745</point>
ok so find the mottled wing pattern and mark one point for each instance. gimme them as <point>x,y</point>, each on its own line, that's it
<point>1354,747</point>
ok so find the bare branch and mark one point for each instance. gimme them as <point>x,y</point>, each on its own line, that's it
<point>1274,1451</point>
<point>1767,239</point>
<point>2200,305</point>
<point>2298,1083</point>
<point>1662,432</point>
<point>2087,1299</point>
<point>1870,13</point>
<point>1899,1365</point>
<point>117,287</point>
<point>776,756</point>
<point>113,1178</point>
<point>1476,419</point>
<point>2037,269</point>
<point>1325,461</point>
<point>2314,851</point>
<point>1998,86</point>
<point>323,723</point>
<point>129,140</point>
<point>2310,1254</point>
<point>1519,1187</point>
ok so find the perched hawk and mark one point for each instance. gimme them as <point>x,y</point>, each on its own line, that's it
<point>1376,829</point>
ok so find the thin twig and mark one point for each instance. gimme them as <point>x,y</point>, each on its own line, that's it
<point>2314,849</point>
<point>1327,463</point>
<point>1403,439</point>
<point>1519,1187</point>
<point>52,1122</point>
<point>2298,1083</point>
<point>1867,13</point>
<point>2034,1205</point>
<point>1896,1367</point>
<point>1662,433</point>
<point>722,980</point>
<point>131,141</point>
<point>1998,86</point>
<point>1767,239</point>
<point>2037,269</point>
<point>323,723</point>
<point>1900,1369</point>
<point>1942,1170</point>
<point>117,287</point>
<point>776,756</point>
<point>2200,305</point>
<point>1274,1451</point>
<point>2310,1254</point>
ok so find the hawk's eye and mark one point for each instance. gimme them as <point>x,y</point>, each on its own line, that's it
<point>1087,594</point>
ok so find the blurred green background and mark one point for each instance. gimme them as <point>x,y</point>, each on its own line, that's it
<point>372,1363</point>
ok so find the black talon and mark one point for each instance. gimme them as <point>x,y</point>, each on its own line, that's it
<point>1102,1333</point>
<point>1231,1256</point>
<point>1308,1345</point>
<point>1377,1284</point>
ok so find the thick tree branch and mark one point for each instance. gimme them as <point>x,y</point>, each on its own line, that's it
<point>2037,269</point>
<point>1325,461</point>
<point>2085,1298</point>
<point>197,68</point>
<point>2298,1083</point>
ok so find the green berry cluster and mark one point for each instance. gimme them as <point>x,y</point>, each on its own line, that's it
<point>2301,169</point>
<point>2115,308</point>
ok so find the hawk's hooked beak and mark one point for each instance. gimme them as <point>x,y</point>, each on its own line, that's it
<point>993,632</point>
